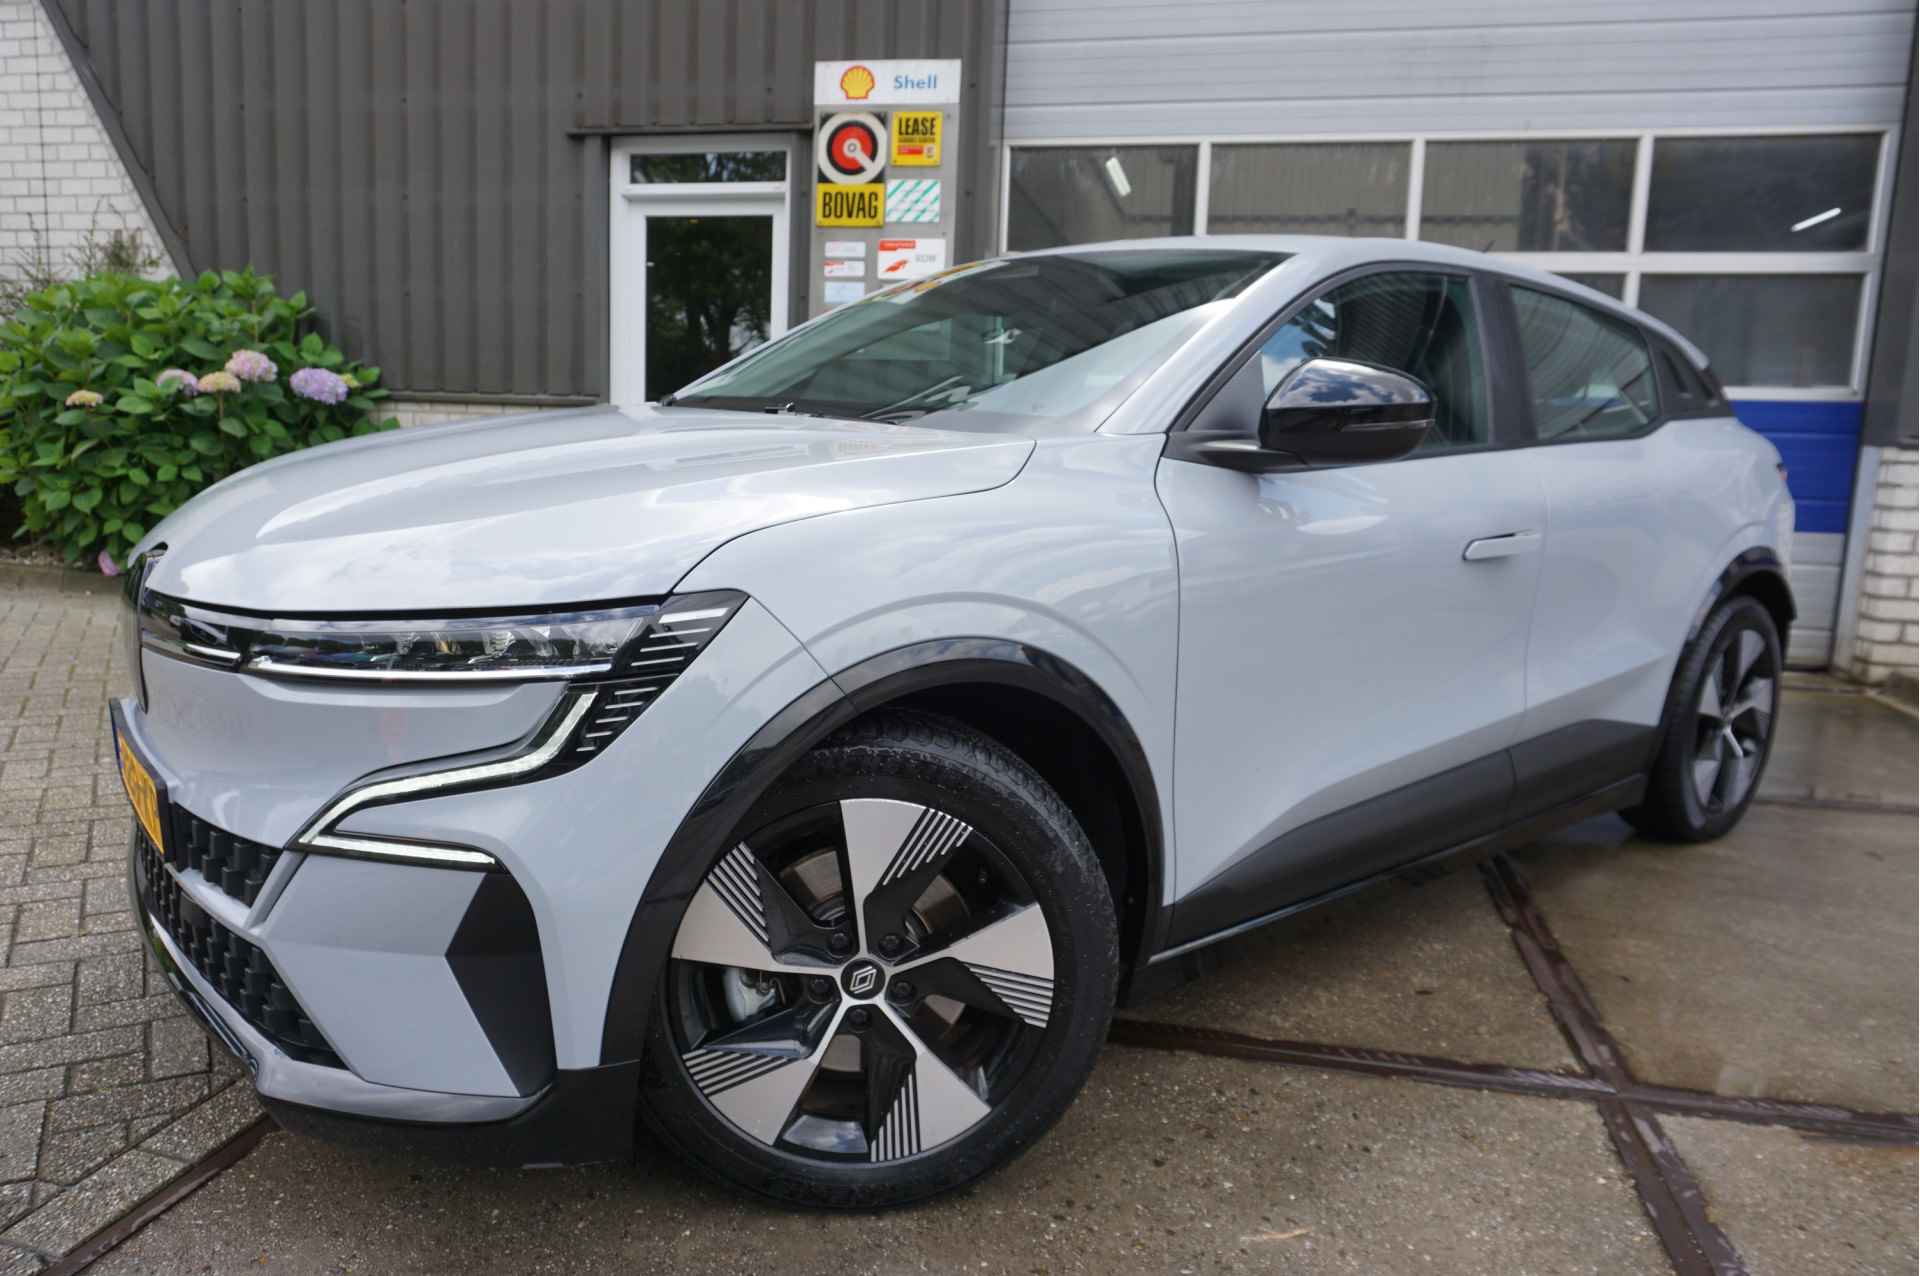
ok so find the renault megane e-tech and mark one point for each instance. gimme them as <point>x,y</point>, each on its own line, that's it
<point>804,764</point>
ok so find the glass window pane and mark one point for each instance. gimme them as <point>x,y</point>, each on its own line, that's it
<point>711,166</point>
<point>1422,325</point>
<point>1309,189</point>
<point>1776,330</point>
<point>1590,375</point>
<point>709,286</point>
<point>1614,286</point>
<point>1761,194</point>
<point>1528,197</point>
<point>1084,194</point>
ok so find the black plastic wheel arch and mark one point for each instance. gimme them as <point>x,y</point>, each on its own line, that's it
<point>810,718</point>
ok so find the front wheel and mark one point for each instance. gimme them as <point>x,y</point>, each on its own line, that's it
<point>1720,718</point>
<point>895,980</point>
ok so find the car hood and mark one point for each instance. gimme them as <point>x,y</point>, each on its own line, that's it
<point>543,509</point>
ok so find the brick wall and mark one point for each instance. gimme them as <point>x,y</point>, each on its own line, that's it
<point>433,411</point>
<point>60,178</point>
<point>1886,638</point>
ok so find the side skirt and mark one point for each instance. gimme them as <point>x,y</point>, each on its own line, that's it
<point>1178,963</point>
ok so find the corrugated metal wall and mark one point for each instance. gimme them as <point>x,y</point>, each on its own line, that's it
<point>1146,68</point>
<point>434,172</point>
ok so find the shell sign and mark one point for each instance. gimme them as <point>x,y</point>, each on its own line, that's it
<point>857,83</point>
<point>887,82</point>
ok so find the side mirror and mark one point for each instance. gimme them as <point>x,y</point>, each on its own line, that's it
<point>1342,412</point>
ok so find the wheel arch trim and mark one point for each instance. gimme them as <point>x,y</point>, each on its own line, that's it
<point>1749,564</point>
<point>860,688</point>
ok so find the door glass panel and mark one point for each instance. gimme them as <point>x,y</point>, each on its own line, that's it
<point>1590,375</point>
<point>1311,188</point>
<point>712,166</point>
<point>709,286</point>
<point>1774,330</point>
<point>1422,325</point>
<point>1081,194</point>
<point>1538,197</point>
<point>1762,194</point>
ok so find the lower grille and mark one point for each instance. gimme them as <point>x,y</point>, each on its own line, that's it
<point>232,864</point>
<point>237,970</point>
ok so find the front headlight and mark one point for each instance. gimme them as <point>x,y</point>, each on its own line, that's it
<point>616,660</point>
<point>587,643</point>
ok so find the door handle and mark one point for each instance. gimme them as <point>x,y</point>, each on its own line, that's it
<point>1504,546</point>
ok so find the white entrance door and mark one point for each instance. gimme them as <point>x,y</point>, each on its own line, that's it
<point>699,257</point>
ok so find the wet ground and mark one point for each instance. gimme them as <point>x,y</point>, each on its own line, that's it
<point>1779,964</point>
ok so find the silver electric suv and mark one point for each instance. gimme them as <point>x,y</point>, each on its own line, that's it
<point>803,765</point>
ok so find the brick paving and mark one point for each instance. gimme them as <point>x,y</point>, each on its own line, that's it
<point>107,1089</point>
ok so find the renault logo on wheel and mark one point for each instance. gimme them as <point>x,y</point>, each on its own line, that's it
<point>861,979</point>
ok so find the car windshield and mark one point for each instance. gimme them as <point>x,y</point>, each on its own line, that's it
<point>1022,338</point>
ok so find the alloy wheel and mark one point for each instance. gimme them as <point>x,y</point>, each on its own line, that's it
<point>1734,718</point>
<point>861,981</point>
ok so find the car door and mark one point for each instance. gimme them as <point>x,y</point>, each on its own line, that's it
<point>1644,498</point>
<point>1350,671</point>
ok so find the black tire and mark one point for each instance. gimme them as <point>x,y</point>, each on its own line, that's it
<point>1680,803</point>
<point>938,763</point>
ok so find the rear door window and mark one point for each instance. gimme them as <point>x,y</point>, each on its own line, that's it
<point>1589,375</point>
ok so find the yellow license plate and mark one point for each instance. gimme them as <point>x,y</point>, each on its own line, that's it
<point>144,795</point>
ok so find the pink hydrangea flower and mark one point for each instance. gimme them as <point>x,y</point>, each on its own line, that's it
<point>179,379</point>
<point>83,399</point>
<point>251,365</point>
<point>319,385</point>
<point>219,383</point>
<point>107,566</point>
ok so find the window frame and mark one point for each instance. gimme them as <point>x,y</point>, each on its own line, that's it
<point>1495,349</point>
<point>1634,262</point>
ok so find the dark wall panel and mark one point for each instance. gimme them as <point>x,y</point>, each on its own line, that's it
<point>433,172</point>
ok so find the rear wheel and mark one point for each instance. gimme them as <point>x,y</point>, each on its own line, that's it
<point>1720,719</point>
<point>894,981</point>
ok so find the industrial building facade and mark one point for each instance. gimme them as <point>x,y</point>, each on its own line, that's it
<point>514,205</point>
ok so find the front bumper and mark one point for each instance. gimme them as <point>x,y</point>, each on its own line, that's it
<point>465,1008</point>
<point>276,1074</point>
<point>583,1115</point>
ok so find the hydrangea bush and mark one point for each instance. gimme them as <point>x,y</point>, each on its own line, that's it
<point>120,397</point>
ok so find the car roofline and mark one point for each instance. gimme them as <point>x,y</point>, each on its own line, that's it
<point>1329,254</point>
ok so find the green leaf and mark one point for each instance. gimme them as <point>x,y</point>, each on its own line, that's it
<point>230,426</point>
<point>205,444</point>
<point>135,405</point>
<point>167,473</point>
<point>200,348</point>
<point>86,499</point>
<point>55,500</point>
<point>145,346</point>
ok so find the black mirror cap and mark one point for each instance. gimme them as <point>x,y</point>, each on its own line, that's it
<point>1344,412</point>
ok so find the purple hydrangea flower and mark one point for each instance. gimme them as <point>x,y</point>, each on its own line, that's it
<point>180,379</point>
<point>319,385</point>
<point>251,365</point>
<point>107,566</point>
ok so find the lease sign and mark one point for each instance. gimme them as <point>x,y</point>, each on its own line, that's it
<point>916,137</point>
<point>849,205</point>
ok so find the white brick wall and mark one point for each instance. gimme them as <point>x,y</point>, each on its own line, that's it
<point>60,177</point>
<point>1886,638</point>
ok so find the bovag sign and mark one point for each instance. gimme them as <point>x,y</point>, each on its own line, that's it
<point>863,205</point>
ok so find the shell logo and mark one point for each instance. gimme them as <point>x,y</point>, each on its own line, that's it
<point>856,82</point>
